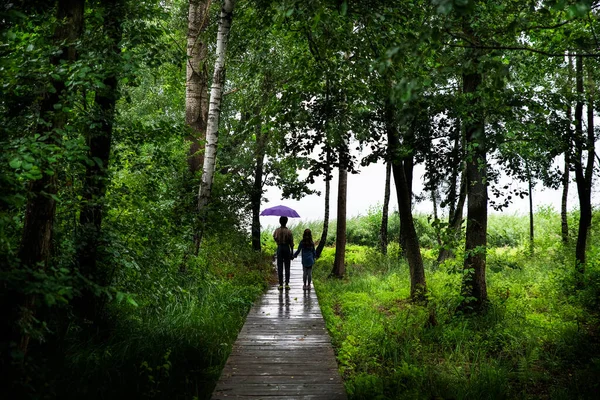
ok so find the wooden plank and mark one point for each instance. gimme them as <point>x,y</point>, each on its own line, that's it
<point>275,397</point>
<point>282,379</point>
<point>298,352</point>
<point>283,351</point>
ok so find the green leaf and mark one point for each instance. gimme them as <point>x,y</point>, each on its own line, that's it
<point>131,301</point>
<point>15,163</point>
<point>344,8</point>
<point>50,300</point>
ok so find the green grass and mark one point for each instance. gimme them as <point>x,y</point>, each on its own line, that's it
<point>538,339</point>
<point>174,348</point>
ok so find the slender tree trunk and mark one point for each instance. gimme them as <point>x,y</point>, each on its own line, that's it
<point>564,224</point>
<point>35,246</point>
<point>456,171</point>
<point>582,177</point>
<point>339,263</point>
<point>214,111</point>
<point>257,188</point>
<point>436,218</point>
<point>530,188</point>
<point>474,288</point>
<point>88,305</point>
<point>456,201</point>
<point>457,220</point>
<point>407,164</point>
<point>418,287</point>
<point>323,240</point>
<point>383,231</point>
<point>196,89</point>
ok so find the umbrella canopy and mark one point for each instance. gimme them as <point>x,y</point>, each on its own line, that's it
<point>280,211</point>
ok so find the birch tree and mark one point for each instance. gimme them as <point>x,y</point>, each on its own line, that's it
<point>196,88</point>
<point>214,110</point>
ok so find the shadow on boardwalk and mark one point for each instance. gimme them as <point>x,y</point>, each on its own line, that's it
<point>283,351</point>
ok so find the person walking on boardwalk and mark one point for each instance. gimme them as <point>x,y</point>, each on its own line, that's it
<point>307,246</point>
<point>285,247</point>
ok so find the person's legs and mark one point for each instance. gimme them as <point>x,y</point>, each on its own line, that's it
<point>280,268</point>
<point>304,275</point>
<point>308,275</point>
<point>287,263</point>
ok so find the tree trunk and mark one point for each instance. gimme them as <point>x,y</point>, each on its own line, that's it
<point>407,165</point>
<point>530,189</point>
<point>214,111</point>
<point>418,287</point>
<point>455,202</point>
<point>323,240</point>
<point>383,231</point>
<point>34,249</point>
<point>196,89</point>
<point>88,305</point>
<point>583,177</point>
<point>456,171</point>
<point>564,224</point>
<point>436,219</point>
<point>257,187</point>
<point>474,289</point>
<point>339,263</point>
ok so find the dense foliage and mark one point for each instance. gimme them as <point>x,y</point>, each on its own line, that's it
<point>115,283</point>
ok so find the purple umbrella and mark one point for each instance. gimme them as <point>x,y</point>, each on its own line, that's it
<point>280,211</point>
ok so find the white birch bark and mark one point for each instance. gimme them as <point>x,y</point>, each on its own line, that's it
<point>214,109</point>
<point>196,91</point>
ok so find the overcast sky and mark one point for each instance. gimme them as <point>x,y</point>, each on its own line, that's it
<point>366,190</point>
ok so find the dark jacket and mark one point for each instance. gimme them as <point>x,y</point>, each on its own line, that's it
<point>308,254</point>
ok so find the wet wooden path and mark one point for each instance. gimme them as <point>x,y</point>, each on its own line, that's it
<point>283,351</point>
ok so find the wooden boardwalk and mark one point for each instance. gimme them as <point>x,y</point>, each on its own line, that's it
<point>283,351</point>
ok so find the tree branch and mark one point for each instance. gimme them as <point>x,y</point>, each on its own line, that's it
<point>520,48</point>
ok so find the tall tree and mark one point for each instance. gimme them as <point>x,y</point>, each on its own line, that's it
<point>583,174</point>
<point>325,230</point>
<point>196,88</point>
<point>383,230</point>
<point>35,246</point>
<point>99,138</point>
<point>339,263</point>
<point>474,286</point>
<point>564,224</point>
<point>214,111</point>
<point>399,158</point>
<point>262,134</point>
<point>456,195</point>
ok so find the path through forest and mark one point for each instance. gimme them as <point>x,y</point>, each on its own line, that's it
<point>283,351</point>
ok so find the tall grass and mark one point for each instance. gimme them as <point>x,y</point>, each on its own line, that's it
<point>538,339</point>
<point>175,347</point>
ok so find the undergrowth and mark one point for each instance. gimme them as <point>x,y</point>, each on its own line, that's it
<point>538,339</point>
<point>174,348</point>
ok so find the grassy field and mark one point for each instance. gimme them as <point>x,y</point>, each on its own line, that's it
<point>538,340</point>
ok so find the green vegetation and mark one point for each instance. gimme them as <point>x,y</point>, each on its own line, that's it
<point>170,340</point>
<point>131,246</point>
<point>538,338</point>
